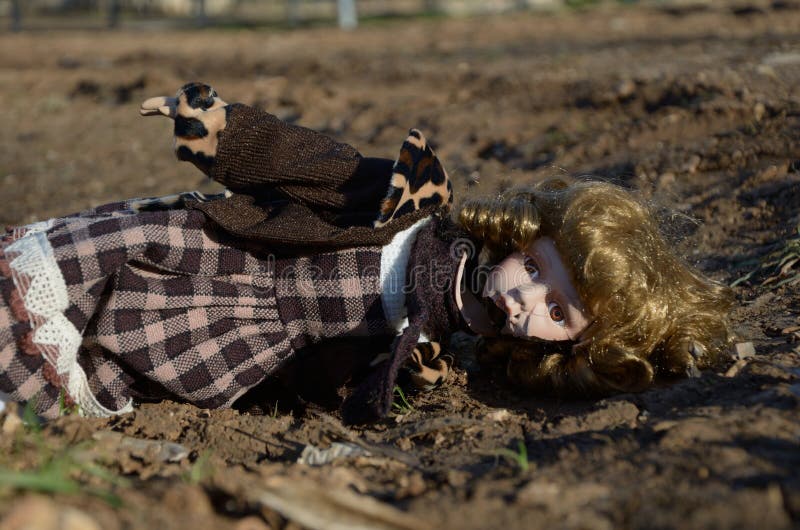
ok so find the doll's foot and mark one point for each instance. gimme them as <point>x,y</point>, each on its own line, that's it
<point>194,96</point>
<point>199,114</point>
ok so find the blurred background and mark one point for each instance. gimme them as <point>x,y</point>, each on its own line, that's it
<point>505,89</point>
<point>253,12</point>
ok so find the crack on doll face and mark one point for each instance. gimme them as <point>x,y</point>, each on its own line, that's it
<point>534,292</point>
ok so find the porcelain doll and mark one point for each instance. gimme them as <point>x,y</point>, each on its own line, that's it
<point>201,298</point>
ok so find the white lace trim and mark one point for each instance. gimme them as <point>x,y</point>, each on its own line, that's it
<point>394,262</point>
<point>33,228</point>
<point>46,296</point>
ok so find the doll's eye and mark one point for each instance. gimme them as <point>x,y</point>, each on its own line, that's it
<point>531,267</point>
<point>556,313</point>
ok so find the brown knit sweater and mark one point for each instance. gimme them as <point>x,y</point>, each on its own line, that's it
<point>297,187</point>
<point>432,309</point>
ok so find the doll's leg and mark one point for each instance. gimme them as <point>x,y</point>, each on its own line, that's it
<point>363,193</point>
<point>251,151</point>
<point>200,116</point>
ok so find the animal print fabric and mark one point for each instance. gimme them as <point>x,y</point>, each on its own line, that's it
<point>428,366</point>
<point>337,197</point>
<point>166,306</point>
<point>419,181</point>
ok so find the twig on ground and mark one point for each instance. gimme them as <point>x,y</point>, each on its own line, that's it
<point>783,265</point>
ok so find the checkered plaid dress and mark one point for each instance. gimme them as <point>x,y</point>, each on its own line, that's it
<point>145,299</point>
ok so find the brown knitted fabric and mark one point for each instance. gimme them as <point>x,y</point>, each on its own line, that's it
<point>432,309</point>
<point>289,227</point>
<point>298,188</point>
<point>431,273</point>
<point>257,150</point>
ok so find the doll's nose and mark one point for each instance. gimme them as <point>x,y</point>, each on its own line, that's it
<point>507,304</point>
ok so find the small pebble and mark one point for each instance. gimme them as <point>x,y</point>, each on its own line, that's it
<point>416,485</point>
<point>666,179</point>
<point>744,350</point>
<point>11,423</point>
<point>498,415</point>
<point>758,111</point>
<point>692,164</point>
<point>40,513</point>
<point>457,478</point>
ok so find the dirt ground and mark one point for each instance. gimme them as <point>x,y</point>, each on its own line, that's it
<point>700,111</point>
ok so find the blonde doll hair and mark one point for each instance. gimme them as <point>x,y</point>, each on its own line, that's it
<point>652,314</point>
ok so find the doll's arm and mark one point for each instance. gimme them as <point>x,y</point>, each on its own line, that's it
<point>373,397</point>
<point>251,151</point>
<point>428,366</point>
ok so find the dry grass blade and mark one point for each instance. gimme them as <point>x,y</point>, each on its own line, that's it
<point>375,449</point>
<point>323,508</point>
<point>428,425</point>
<point>782,265</point>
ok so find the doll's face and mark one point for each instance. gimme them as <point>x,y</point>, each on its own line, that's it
<point>534,289</point>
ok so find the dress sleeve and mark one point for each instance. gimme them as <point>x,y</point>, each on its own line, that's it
<point>259,154</point>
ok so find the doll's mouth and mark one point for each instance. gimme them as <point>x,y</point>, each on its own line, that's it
<point>496,315</point>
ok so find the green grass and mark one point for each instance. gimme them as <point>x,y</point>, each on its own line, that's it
<point>401,405</point>
<point>518,457</point>
<point>62,473</point>
<point>65,409</point>
<point>30,418</point>
<point>581,4</point>
<point>200,470</point>
<point>61,470</point>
